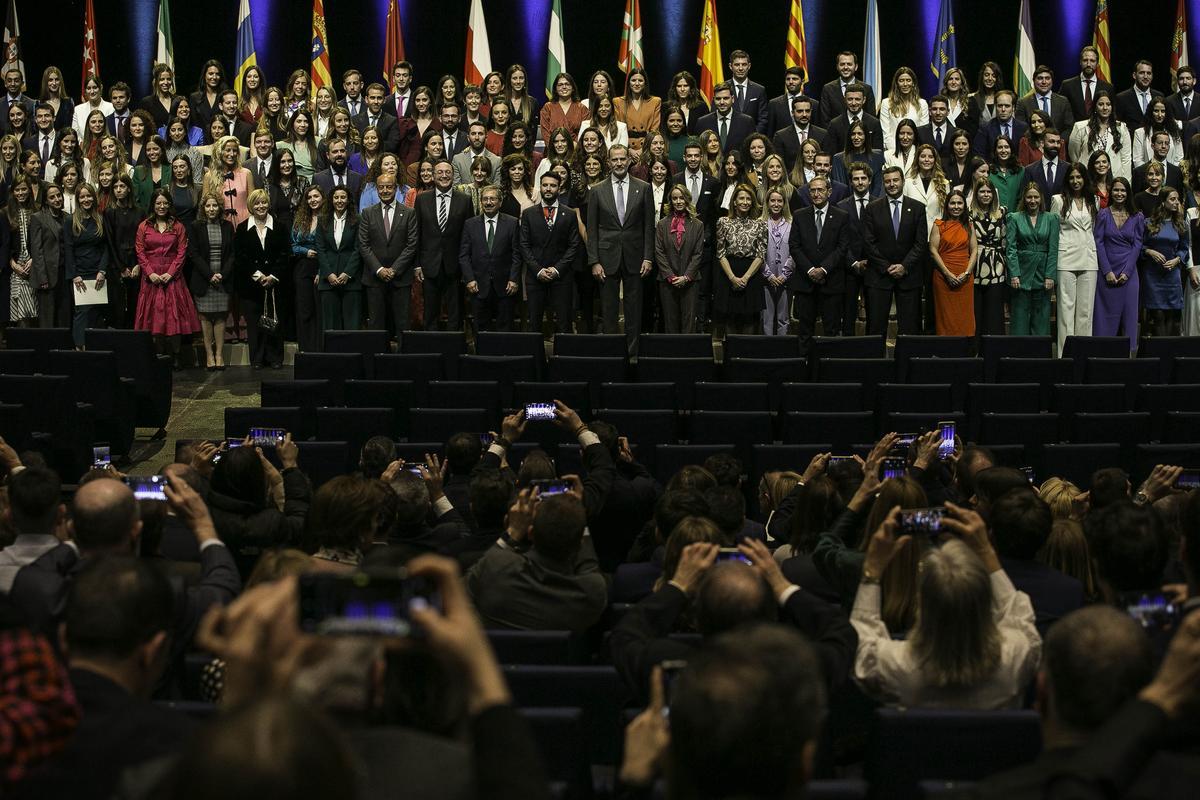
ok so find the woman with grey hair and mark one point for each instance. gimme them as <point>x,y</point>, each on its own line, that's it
<point>974,644</point>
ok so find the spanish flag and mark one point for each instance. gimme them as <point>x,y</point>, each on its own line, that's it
<point>709,54</point>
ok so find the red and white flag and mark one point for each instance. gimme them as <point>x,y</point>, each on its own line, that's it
<point>630,54</point>
<point>479,56</point>
<point>91,54</point>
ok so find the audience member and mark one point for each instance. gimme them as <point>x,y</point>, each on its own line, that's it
<point>37,515</point>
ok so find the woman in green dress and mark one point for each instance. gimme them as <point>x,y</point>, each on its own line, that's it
<point>1006,174</point>
<point>1032,263</point>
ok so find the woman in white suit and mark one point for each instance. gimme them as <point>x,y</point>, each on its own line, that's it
<point>1102,131</point>
<point>1077,265</point>
<point>902,102</point>
<point>927,184</point>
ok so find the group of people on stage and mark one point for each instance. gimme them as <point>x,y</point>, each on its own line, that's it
<point>274,212</point>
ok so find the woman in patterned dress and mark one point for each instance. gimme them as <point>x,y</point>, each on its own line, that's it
<point>22,301</point>
<point>988,222</point>
<point>741,250</point>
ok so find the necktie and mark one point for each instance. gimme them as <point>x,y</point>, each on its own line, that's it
<point>400,105</point>
<point>262,174</point>
<point>45,150</point>
<point>621,202</point>
<point>1142,98</point>
<point>854,119</point>
<point>1187,108</point>
<point>724,130</point>
<point>491,234</point>
<point>820,222</point>
<point>801,135</point>
<point>548,213</point>
<point>1046,104</point>
<point>1050,173</point>
<point>741,99</point>
<point>339,180</point>
<point>121,127</point>
<point>442,211</point>
<point>896,218</point>
<point>450,143</point>
<point>373,120</point>
<point>387,221</point>
<point>695,188</point>
<point>862,206</point>
<point>937,139</point>
<point>844,85</point>
<point>1007,131</point>
<point>1087,95</point>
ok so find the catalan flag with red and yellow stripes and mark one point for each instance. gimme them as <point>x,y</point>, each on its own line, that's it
<point>795,52</point>
<point>1100,41</point>
<point>320,48</point>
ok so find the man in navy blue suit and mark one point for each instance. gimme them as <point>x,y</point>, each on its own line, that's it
<point>549,241</point>
<point>837,191</point>
<point>117,122</point>
<point>337,174</point>
<point>728,123</point>
<point>1050,172</point>
<point>1005,123</point>
<point>856,257</point>
<point>749,98</point>
<point>490,260</point>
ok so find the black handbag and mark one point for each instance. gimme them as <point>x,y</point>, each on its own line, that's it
<point>269,319</point>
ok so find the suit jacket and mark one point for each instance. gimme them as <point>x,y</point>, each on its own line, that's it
<point>684,259</point>
<point>837,193</point>
<point>787,141</point>
<point>1173,176</point>
<point>250,255</point>
<point>462,166</point>
<point>884,247</point>
<point>389,104</point>
<point>398,250</point>
<point>1061,115</point>
<point>779,113</point>
<point>740,126</point>
<point>252,165</point>
<point>838,132</point>
<point>491,270</point>
<point>707,203</point>
<point>614,244</point>
<point>335,259</point>
<point>827,251</point>
<point>855,241</point>
<point>438,249</point>
<point>386,126</point>
<point>199,272</point>
<point>544,246</point>
<point>1052,594</point>
<point>925,136</point>
<point>754,103</point>
<point>459,144</point>
<point>1128,108</point>
<point>1176,104</point>
<point>354,181</point>
<point>45,248</point>
<point>986,138</point>
<point>631,498</point>
<point>1036,173</point>
<point>1072,89</point>
<point>833,103</point>
<point>242,130</point>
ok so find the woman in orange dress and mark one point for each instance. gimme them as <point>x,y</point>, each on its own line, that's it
<point>564,110</point>
<point>638,109</point>
<point>953,250</point>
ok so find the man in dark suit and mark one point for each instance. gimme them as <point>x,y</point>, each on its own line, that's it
<point>43,140</point>
<point>838,129</point>
<point>779,109</point>
<point>1050,172</point>
<point>1172,175</point>
<point>797,130</point>
<point>117,123</point>
<point>630,502</point>
<point>1004,123</point>
<point>705,191</point>
<point>896,237</point>
<point>855,207</point>
<point>453,135</point>
<point>833,103</point>
<point>1184,101</point>
<point>441,214</point>
<point>939,129</point>
<point>749,98</point>
<point>836,191</point>
<point>818,247</point>
<point>117,628</point>
<point>13,96</point>
<point>1131,105</point>
<point>374,115</point>
<point>401,94</point>
<point>336,174</point>
<point>387,244</point>
<point>262,163</point>
<point>1043,98</point>
<point>490,260</point>
<point>730,125</point>
<point>548,243</point>
<point>620,243</point>
<point>234,124</point>
<point>1080,90</point>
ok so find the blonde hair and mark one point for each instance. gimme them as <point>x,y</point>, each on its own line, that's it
<point>687,195</point>
<point>78,216</point>
<point>1060,495</point>
<point>255,196</point>
<point>214,176</point>
<point>1066,550</point>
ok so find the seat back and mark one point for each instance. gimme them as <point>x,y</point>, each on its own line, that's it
<point>909,347</point>
<point>910,397</point>
<point>675,345</point>
<point>1182,427</point>
<point>1074,398</point>
<point>638,395</point>
<point>742,429</point>
<point>21,362</point>
<point>643,428</point>
<point>842,429</point>
<point>368,344</point>
<point>465,394</point>
<point>822,397</point>
<point>562,738</point>
<point>513,343</point>
<point>504,370</point>
<point>1043,371</point>
<point>323,461</point>
<point>870,372</point>
<point>731,397</point>
<point>1128,428</point>
<point>820,347</point>
<point>439,424</point>
<point>744,346</point>
<point>958,372</point>
<point>685,373</point>
<point>1185,369</point>
<point>1002,398</point>
<point>773,371</point>
<point>307,394</point>
<point>1158,399</point>
<point>354,426</point>
<point>1077,462</point>
<point>670,458</point>
<point>1080,348</point>
<point>396,395</point>
<point>593,370</point>
<point>151,374</point>
<point>533,647</point>
<point>591,345</point>
<point>40,340</point>
<point>598,691</point>
<point>994,348</point>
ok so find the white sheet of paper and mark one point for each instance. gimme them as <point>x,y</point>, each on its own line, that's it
<point>90,296</point>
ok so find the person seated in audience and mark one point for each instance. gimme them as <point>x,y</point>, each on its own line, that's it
<point>1020,523</point>
<point>993,483</point>
<point>426,520</point>
<point>463,451</point>
<point>1063,497</point>
<point>818,504</point>
<point>1109,485</point>
<point>1129,549</point>
<point>35,512</point>
<point>630,502</point>
<point>772,488</point>
<point>349,515</point>
<point>1066,550</point>
<point>721,597</point>
<point>674,504</point>
<point>970,462</point>
<point>973,644</point>
<point>763,683</point>
<point>489,494</point>
<point>727,508</point>
<point>116,630</point>
<point>376,456</point>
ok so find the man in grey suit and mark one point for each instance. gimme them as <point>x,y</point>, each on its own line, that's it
<point>476,136</point>
<point>620,243</point>
<point>387,244</point>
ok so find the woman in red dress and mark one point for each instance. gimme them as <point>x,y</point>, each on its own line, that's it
<point>165,306</point>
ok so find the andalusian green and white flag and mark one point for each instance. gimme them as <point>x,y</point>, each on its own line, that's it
<point>166,47</point>
<point>1025,62</point>
<point>556,59</point>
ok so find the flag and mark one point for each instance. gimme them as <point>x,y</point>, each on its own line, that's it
<point>708,56</point>
<point>1179,54</point>
<point>479,57</point>
<point>945,51</point>
<point>795,52</point>
<point>166,47</point>
<point>556,51</point>
<point>630,54</point>
<point>12,43</point>
<point>872,66</point>
<point>1025,62</point>
<point>1100,41</point>
<point>91,55</point>
<point>244,54</point>
<point>393,43</point>
<point>320,48</point>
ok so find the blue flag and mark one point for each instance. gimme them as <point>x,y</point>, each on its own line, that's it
<point>945,55</point>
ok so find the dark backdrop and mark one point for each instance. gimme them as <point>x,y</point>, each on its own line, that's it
<point>435,33</point>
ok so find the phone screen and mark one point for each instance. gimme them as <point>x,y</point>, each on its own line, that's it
<point>101,457</point>
<point>670,672</point>
<point>147,487</point>
<point>1188,479</point>
<point>551,487</point>
<point>732,554</point>
<point>946,445</point>
<point>1030,474</point>
<point>363,604</point>
<point>539,411</point>
<point>266,437</point>
<point>1154,612</point>
<point>922,521</point>
<point>894,468</point>
<point>486,439</point>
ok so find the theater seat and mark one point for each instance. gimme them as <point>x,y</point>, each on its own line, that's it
<point>598,691</point>
<point>1077,462</point>
<point>136,359</point>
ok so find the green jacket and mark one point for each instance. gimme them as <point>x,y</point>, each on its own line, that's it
<point>1032,250</point>
<point>1008,187</point>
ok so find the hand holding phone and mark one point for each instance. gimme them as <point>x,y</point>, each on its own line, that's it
<point>266,437</point>
<point>539,411</point>
<point>364,603</point>
<point>894,467</point>
<point>147,487</point>
<point>101,457</point>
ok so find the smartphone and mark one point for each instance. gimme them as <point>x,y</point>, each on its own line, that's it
<point>894,467</point>
<point>946,445</point>
<point>486,439</point>
<point>539,411</point>
<point>905,439</point>
<point>1188,479</point>
<point>670,671</point>
<point>147,487</point>
<point>1030,474</point>
<point>101,457</point>
<point>922,521</point>
<point>225,447</point>
<point>266,437</point>
<point>363,603</point>
<point>1154,612</point>
<point>733,554</point>
<point>838,460</point>
<point>551,487</point>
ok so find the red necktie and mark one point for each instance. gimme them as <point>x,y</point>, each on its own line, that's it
<point>548,212</point>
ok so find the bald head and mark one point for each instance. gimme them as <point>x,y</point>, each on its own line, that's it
<point>733,594</point>
<point>104,516</point>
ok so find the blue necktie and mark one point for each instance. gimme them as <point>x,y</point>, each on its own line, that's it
<point>896,218</point>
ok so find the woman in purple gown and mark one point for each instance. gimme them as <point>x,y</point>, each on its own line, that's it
<point>1119,232</point>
